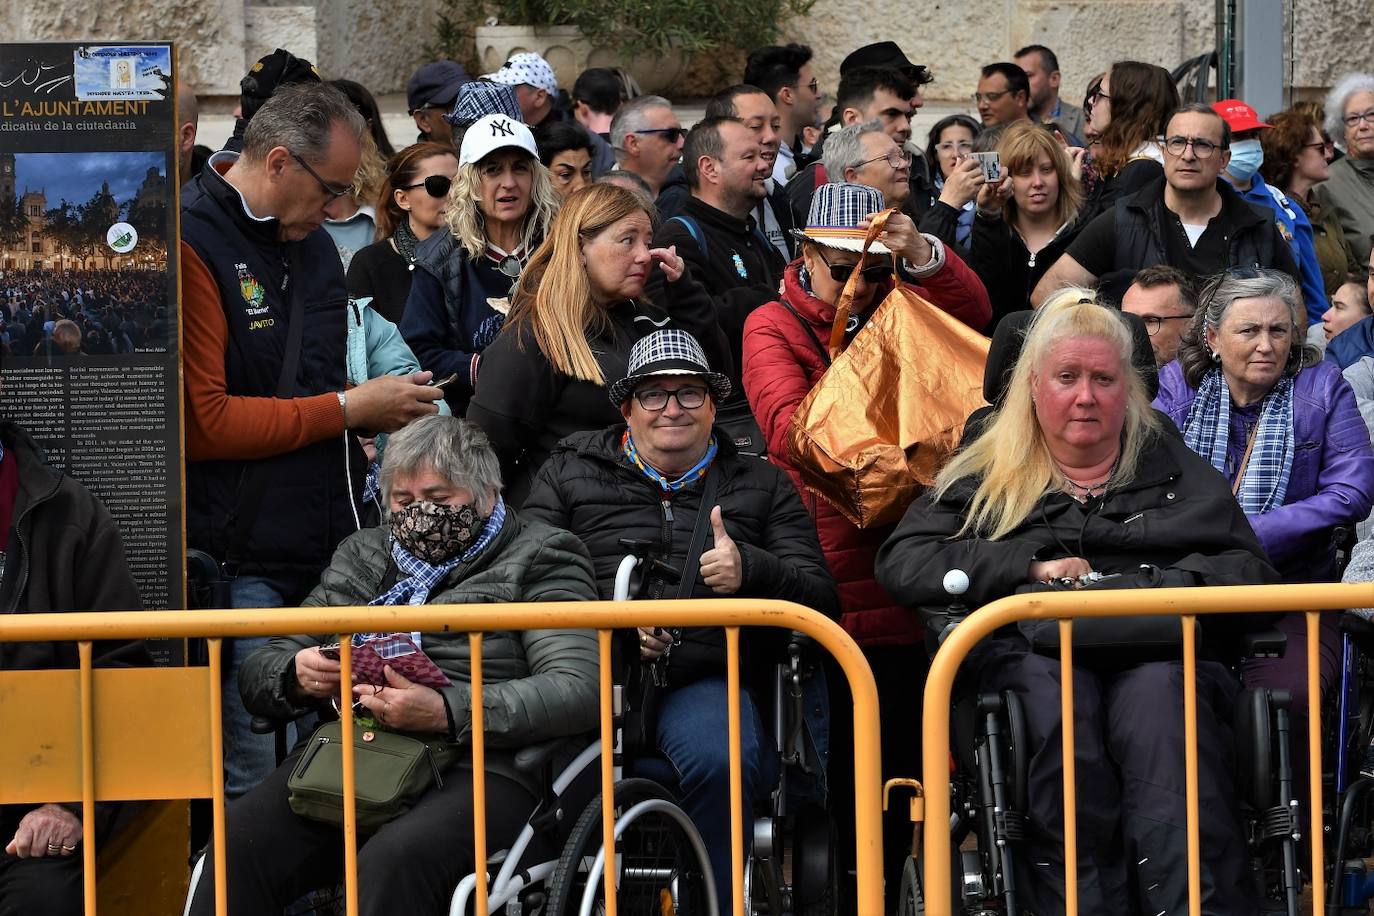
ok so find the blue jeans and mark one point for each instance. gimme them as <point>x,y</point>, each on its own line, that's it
<point>248,758</point>
<point>693,729</point>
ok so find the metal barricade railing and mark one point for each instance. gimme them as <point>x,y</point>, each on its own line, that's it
<point>133,772</point>
<point>1185,603</point>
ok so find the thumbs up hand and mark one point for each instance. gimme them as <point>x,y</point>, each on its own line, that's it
<point>721,566</point>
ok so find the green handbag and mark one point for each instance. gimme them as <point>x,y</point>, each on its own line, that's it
<point>391,770</point>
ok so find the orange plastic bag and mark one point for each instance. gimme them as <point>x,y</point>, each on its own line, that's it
<point>888,413</point>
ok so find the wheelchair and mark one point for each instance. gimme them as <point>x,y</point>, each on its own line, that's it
<point>555,866</point>
<point>989,783</point>
<point>1348,806</point>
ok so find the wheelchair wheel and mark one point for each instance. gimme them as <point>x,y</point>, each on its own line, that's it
<point>909,899</point>
<point>658,867</point>
<point>815,874</point>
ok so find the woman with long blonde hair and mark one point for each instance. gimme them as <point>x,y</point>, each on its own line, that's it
<point>575,314</point>
<point>1073,484</point>
<point>499,207</point>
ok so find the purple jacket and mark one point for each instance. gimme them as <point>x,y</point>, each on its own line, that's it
<point>1332,480</point>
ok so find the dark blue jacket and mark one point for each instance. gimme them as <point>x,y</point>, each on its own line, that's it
<point>1353,344</point>
<point>448,319</point>
<point>308,505</point>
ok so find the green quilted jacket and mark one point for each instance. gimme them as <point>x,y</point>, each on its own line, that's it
<point>537,684</point>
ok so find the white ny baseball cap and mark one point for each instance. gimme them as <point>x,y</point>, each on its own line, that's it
<point>493,132</point>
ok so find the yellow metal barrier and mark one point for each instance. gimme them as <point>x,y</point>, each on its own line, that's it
<point>1186,603</point>
<point>113,742</point>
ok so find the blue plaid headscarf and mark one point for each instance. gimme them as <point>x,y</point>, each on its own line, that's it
<point>421,577</point>
<point>1208,426</point>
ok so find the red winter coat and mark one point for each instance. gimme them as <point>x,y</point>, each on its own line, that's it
<point>781,364</point>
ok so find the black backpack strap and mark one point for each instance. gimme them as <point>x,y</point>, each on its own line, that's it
<point>253,483</point>
<point>806,326</point>
<point>687,584</point>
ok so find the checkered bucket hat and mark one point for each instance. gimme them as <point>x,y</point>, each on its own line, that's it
<point>479,98</point>
<point>670,352</point>
<point>836,211</point>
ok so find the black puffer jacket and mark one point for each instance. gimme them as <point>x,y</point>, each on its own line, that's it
<point>1178,514</point>
<point>525,405</point>
<point>588,488</point>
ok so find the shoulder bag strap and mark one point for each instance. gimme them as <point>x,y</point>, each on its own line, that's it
<point>846,303</point>
<point>687,584</point>
<point>253,483</point>
<point>810,332</point>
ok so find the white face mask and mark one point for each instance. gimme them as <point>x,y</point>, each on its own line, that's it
<point>1246,158</point>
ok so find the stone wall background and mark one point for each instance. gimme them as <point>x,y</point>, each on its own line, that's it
<point>380,42</point>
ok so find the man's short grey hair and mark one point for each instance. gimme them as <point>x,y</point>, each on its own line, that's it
<point>1340,93</point>
<point>632,117</point>
<point>456,449</point>
<point>845,150</point>
<point>301,117</point>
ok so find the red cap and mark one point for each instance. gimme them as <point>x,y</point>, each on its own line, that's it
<point>1238,115</point>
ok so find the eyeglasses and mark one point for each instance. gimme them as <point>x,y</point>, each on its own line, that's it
<point>1320,144</point>
<point>332,192</point>
<point>671,134</point>
<point>989,97</point>
<point>1096,93</point>
<point>1153,322</point>
<point>896,160</point>
<point>1202,149</point>
<point>841,273</point>
<point>434,185</point>
<point>964,146</point>
<point>814,86</point>
<point>689,397</point>
<point>1351,120</point>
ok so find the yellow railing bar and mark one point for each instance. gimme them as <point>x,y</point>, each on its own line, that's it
<point>1070,766</point>
<point>1236,599</point>
<point>603,615</point>
<point>1194,824</point>
<point>350,802</point>
<point>215,648</point>
<point>87,775</point>
<point>1314,757</point>
<point>736,775</point>
<point>479,775</point>
<point>603,638</point>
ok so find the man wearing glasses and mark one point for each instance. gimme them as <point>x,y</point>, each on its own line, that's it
<point>647,138</point>
<point>784,72</point>
<point>271,469</point>
<point>1189,220</point>
<point>1165,300</point>
<point>1003,95</point>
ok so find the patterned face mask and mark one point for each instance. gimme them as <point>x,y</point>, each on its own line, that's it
<point>435,533</point>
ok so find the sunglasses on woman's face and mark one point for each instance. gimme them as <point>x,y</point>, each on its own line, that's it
<point>434,185</point>
<point>841,273</point>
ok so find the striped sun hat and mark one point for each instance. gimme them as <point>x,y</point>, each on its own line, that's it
<point>836,211</point>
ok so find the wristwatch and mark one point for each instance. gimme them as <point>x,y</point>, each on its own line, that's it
<point>343,405</point>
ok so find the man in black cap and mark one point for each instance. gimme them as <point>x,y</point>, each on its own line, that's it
<point>270,73</point>
<point>429,96</point>
<point>888,54</point>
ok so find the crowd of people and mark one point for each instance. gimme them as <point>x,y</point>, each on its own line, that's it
<point>89,312</point>
<point>620,318</point>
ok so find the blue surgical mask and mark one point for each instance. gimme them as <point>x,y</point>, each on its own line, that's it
<point>1246,158</point>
